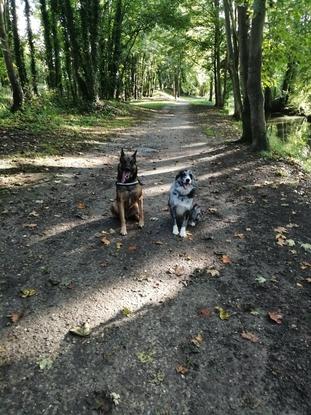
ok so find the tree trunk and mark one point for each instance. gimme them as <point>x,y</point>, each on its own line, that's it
<point>55,14</point>
<point>243,37</point>
<point>33,65</point>
<point>18,50</point>
<point>15,85</point>
<point>116,54</point>
<point>232,62</point>
<point>217,39</point>
<point>255,94</point>
<point>45,18</point>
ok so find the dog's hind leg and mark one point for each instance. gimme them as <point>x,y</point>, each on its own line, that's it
<point>183,229</point>
<point>141,212</point>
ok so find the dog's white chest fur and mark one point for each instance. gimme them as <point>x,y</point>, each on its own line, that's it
<point>181,202</point>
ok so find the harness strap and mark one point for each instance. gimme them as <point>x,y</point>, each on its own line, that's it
<point>127,184</point>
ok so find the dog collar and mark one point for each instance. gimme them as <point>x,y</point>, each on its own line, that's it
<point>127,184</point>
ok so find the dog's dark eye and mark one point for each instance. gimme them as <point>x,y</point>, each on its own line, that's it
<point>190,175</point>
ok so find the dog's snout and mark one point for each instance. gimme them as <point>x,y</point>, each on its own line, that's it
<point>187,180</point>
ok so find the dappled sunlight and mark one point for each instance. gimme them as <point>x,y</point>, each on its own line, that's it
<point>200,144</point>
<point>60,228</point>
<point>21,179</point>
<point>103,302</point>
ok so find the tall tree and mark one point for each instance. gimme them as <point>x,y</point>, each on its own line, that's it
<point>45,17</point>
<point>254,88</point>
<point>216,57</point>
<point>33,65</point>
<point>243,36</point>
<point>55,12</point>
<point>14,81</point>
<point>233,58</point>
<point>18,49</point>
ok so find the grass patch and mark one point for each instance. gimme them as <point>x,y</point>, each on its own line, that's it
<point>152,104</point>
<point>48,128</point>
<point>198,101</point>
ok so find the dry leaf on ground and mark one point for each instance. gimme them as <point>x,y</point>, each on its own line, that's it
<point>182,370</point>
<point>15,316</point>
<point>27,292</point>
<point>197,340</point>
<point>104,240</point>
<point>179,270</point>
<point>249,336</point>
<point>213,272</point>
<point>223,314</point>
<point>276,316</point>
<point>280,229</point>
<point>82,330</point>
<point>81,205</point>
<point>226,259</point>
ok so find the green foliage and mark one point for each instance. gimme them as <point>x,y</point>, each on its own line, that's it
<point>293,143</point>
<point>62,127</point>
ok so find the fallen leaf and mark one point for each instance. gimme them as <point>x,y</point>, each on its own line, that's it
<point>197,340</point>
<point>223,314</point>
<point>30,225</point>
<point>116,398</point>
<point>126,312</point>
<point>212,210</point>
<point>276,316</point>
<point>239,235</point>
<point>118,245</point>
<point>45,363</point>
<point>104,240</point>
<point>249,336</point>
<point>82,330</point>
<point>280,229</point>
<point>290,242</point>
<point>213,272</point>
<point>154,219</point>
<point>34,214</point>
<point>15,316</point>
<point>158,243</point>
<point>308,279</point>
<point>81,205</point>
<point>260,279</point>
<point>305,265</point>
<point>112,231</point>
<point>182,370</point>
<point>226,259</point>
<point>145,357</point>
<point>204,312</point>
<point>132,248</point>
<point>27,292</point>
<point>179,270</point>
<point>306,247</point>
<point>280,239</point>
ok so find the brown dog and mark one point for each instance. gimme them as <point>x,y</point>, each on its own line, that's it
<point>129,197</point>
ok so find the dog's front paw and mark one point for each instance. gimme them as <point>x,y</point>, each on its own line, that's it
<point>175,230</point>
<point>141,224</point>
<point>183,232</point>
<point>123,231</point>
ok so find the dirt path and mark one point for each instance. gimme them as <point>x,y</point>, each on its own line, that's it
<point>158,345</point>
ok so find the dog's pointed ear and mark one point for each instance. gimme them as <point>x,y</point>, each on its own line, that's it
<point>134,155</point>
<point>122,154</point>
<point>178,175</point>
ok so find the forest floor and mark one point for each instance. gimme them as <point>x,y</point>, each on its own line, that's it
<point>217,323</point>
